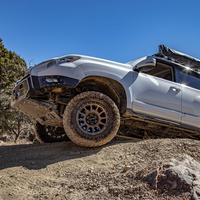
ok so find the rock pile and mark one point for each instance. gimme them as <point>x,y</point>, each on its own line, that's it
<point>177,177</point>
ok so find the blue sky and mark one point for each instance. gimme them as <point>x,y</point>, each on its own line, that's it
<point>118,30</point>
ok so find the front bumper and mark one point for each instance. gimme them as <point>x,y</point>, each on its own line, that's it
<point>20,92</point>
<point>27,93</point>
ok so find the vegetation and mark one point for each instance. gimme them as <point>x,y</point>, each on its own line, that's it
<point>12,68</point>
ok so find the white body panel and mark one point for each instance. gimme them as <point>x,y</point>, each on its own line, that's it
<point>123,73</point>
<point>69,70</point>
<point>191,106</point>
<point>154,97</point>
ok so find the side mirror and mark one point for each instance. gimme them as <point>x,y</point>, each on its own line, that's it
<point>145,65</point>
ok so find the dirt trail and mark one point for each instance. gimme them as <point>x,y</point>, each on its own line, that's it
<point>66,171</point>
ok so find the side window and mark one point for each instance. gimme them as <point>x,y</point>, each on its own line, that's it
<point>162,71</point>
<point>190,78</point>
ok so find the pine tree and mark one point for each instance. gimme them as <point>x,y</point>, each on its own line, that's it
<point>12,68</point>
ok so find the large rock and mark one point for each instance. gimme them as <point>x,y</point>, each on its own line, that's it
<point>182,176</point>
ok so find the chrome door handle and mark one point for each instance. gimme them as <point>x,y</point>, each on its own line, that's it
<point>175,89</point>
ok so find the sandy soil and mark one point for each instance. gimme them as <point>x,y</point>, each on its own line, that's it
<point>66,171</point>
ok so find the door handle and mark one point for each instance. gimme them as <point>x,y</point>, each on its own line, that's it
<point>175,89</point>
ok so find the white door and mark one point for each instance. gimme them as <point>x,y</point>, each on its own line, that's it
<point>156,94</point>
<point>190,97</point>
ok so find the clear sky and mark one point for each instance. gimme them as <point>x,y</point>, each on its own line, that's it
<point>118,30</point>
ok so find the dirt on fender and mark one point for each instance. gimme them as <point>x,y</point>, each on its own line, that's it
<point>67,171</point>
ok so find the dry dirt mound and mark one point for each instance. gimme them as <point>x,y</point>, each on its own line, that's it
<point>114,171</point>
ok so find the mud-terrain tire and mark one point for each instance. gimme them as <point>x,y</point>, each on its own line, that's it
<point>91,119</point>
<point>49,134</point>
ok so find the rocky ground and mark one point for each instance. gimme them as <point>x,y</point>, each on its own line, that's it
<point>122,169</point>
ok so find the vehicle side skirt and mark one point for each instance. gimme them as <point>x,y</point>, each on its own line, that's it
<point>159,126</point>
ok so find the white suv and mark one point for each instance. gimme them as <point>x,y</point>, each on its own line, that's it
<point>85,98</point>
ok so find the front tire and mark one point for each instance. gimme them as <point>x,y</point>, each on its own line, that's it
<point>91,119</point>
<point>49,134</point>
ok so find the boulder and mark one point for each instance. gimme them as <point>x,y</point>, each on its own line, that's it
<point>180,176</point>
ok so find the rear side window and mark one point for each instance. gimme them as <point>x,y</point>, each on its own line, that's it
<point>190,78</point>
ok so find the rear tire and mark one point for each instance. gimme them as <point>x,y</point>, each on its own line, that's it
<point>91,119</point>
<point>49,134</point>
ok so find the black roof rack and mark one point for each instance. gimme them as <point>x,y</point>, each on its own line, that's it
<point>179,57</point>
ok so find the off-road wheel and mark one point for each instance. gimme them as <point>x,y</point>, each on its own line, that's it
<point>91,119</point>
<point>49,134</point>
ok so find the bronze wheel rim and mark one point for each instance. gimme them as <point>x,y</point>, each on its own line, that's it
<point>92,118</point>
